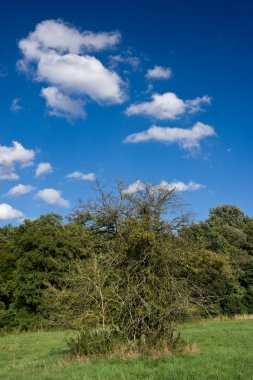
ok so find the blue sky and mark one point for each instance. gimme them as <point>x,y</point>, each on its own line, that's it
<point>141,91</point>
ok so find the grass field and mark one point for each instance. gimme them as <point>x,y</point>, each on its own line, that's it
<point>225,353</point>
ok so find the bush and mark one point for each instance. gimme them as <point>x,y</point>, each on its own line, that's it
<point>140,278</point>
<point>94,342</point>
<point>110,342</point>
<point>21,320</point>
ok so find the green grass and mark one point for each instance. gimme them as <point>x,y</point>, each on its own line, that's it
<point>226,353</point>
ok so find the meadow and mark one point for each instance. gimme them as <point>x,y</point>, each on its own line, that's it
<point>222,349</point>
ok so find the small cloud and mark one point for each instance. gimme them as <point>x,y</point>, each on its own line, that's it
<point>19,190</point>
<point>9,176</point>
<point>164,185</point>
<point>181,186</point>
<point>186,138</point>
<point>7,212</point>
<point>53,197</point>
<point>167,106</point>
<point>194,105</point>
<point>81,176</point>
<point>15,105</point>
<point>159,72</point>
<point>126,58</point>
<point>11,156</point>
<point>43,168</point>
<point>134,187</point>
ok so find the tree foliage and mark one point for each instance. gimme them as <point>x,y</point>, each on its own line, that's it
<point>131,265</point>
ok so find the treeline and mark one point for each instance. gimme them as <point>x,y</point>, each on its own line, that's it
<point>128,263</point>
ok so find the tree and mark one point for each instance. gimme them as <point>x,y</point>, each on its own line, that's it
<point>229,232</point>
<point>227,214</point>
<point>141,278</point>
<point>7,265</point>
<point>43,249</point>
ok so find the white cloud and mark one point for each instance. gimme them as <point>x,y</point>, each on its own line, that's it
<point>19,190</point>
<point>53,197</point>
<point>43,168</point>
<point>59,36</point>
<point>8,212</point>
<point>15,105</point>
<point>187,138</point>
<point>81,75</point>
<point>9,176</point>
<point>164,185</point>
<point>62,105</point>
<point>166,106</point>
<point>11,156</point>
<point>194,105</point>
<point>58,54</point>
<point>159,72</point>
<point>180,186</point>
<point>81,176</point>
<point>134,187</point>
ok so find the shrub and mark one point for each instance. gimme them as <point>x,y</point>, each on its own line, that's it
<point>94,342</point>
<point>110,342</point>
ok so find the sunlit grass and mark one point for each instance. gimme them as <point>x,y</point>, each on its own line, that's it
<point>224,351</point>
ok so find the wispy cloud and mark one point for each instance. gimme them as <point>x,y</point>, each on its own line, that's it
<point>15,105</point>
<point>81,176</point>
<point>194,105</point>
<point>186,138</point>
<point>159,72</point>
<point>126,58</point>
<point>164,185</point>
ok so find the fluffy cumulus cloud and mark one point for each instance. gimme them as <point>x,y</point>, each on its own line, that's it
<point>167,106</point>
<point>7,212</point>
<point>60,55</point>
<point>159,72</point>
<point>20,189</point>
<point>81,75</point>
<point>81,176</point>
<point>13,156</point>
<point>186,138</point>
<point>164,185</point>
<point>59,36</point>
<point>43,168</point>
<point>53,197</point>
<point>62,105</point>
